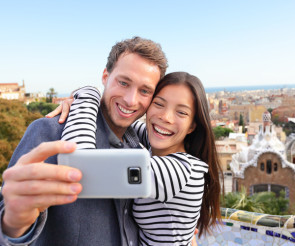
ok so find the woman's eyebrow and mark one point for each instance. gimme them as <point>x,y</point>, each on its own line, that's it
<point>179,105</point>
<point>161,98</point>
<point>185,106</point>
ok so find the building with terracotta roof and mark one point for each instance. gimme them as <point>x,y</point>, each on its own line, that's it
<point>282,113</point>
<point>12,91</point>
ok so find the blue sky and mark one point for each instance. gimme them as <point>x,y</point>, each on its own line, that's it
<point>64,44</point>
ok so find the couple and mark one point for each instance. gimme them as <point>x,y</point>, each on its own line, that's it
<point>33,189</point>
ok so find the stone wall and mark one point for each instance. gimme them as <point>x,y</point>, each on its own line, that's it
<point>258,175</point>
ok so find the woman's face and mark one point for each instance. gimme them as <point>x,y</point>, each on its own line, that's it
<point>170,118</point>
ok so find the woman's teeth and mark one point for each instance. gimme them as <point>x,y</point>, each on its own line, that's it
<point>161,131</point>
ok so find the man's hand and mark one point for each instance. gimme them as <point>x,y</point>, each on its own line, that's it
<point>31,186</point>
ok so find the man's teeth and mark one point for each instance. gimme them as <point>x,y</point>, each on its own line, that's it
<point>162,131</point>
<point>125,111</point>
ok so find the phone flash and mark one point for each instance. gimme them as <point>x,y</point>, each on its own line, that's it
<point>134,175</point>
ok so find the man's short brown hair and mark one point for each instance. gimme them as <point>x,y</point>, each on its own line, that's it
<point>143,47</point>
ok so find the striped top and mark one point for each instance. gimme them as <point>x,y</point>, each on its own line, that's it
<point>170,215</point>
<point>81,125</point>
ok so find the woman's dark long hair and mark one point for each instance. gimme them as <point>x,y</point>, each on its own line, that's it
<point>201,143</point>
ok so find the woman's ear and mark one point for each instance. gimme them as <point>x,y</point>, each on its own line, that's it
<point>105,76</point>
<point>192,128</point>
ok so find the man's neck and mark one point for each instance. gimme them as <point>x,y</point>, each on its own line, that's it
<point>118,131</point>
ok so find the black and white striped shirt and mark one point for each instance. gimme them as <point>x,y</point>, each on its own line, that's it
<point>170,215</point>
<point>81,125</point>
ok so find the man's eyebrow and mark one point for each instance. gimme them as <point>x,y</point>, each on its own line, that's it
<point>124,77</point>
<point>150,88</point>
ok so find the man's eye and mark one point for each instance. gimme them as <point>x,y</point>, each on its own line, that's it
<point>123,83</point>
<point>145,92</point>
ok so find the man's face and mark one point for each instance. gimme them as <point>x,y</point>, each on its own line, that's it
<point>128,91</point>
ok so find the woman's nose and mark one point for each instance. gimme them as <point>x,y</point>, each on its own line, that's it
<point>167,116</point>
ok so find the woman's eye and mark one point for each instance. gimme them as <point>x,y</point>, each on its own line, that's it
<point>182,113</point>
<point>158,104</point>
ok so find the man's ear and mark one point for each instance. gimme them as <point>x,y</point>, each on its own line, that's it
<point>105,76</point>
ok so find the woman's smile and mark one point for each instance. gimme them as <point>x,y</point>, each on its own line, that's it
<point>162,131</point>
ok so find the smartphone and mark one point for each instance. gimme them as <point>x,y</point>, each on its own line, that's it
<point>111,173</point>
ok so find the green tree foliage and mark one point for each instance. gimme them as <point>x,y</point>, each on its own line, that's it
<point>221,132</point>
<point>42,107</point>
<point>272,203</point>
<point>270,110</point>
<point>241,121</point>
<point>275,119</point>
<point>50,94</point>
<point>288,128</point>
<point>262,202</point>
<point>14,120</point>
<point>241,201</point>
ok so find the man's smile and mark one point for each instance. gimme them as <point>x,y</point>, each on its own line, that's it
<point>124,110</point>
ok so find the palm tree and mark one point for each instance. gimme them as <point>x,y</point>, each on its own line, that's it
<point>262,202</point>
<point>245,202</point>
<point>50,94</point>
<point>241,201</point>
<point>273,204</point>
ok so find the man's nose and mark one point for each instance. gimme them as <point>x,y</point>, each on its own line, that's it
<point>131,98</point>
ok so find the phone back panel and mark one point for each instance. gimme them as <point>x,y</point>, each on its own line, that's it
<point>111,173</point>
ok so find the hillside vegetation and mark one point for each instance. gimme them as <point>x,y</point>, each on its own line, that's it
<point>15,117</point>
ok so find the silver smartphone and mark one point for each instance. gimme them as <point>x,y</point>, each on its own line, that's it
<point>111,173</point>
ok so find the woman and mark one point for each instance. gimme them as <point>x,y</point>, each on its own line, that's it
<point>180,138</point>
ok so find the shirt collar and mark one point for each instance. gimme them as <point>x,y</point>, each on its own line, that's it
<point>130,139</point>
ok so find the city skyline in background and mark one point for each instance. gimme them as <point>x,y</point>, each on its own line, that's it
<point>65,44</point>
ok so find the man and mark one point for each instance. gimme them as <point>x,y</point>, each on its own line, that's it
<point>33,189</point>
